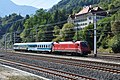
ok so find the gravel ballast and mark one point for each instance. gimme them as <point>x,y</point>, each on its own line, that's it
<point>9,73</point>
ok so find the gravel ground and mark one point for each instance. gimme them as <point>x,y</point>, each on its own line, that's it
<point>7,73</point>
<point>99,75</point>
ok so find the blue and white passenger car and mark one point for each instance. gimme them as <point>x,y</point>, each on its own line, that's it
<point>35,46</point>
<point>20,46</point>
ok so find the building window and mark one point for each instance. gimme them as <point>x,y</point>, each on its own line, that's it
<point>89,22</point>
<point>81,20</point>
<point>90,18</point>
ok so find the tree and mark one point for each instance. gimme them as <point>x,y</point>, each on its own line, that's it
<point>56,31</point>
<point>104,32</point>
<point>36,25</point>
<point>41,35</point>
<point>57,36</point>
<point>115,24</point>
<point>116,27</point>
<point>88,35</point>
<point>111,6</point>
<point>79,35</point>
<point>67,32</point>
<point>115,43</point>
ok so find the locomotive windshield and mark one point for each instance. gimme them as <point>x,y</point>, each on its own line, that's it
<point>84,44</point>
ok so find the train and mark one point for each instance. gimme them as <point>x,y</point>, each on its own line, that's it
<point>72,47</point>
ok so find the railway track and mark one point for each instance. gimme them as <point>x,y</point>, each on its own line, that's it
<point>113,69</point>
<point>78,63</point>
<point>103,57</point>
<point>62,74</point>
<point>107,57</point>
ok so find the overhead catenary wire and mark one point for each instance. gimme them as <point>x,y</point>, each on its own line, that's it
<point>52,24</point>
<point>47,31</point>
<point>64,20</point>
<point>116,9</point>
<point>60,23</point>
<point>55,24</point>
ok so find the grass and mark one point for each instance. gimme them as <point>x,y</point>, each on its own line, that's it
<point>109,50</point>
<point>23,78</point>
<point>8,74</point>
<point>3,69</point>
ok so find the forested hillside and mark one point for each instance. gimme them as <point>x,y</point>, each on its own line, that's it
<point>52,25</point>
<point>10,25</point>
<point>72,6</point>
<point>7,23</point>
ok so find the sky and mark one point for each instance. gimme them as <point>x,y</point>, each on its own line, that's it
<point>46,4</point>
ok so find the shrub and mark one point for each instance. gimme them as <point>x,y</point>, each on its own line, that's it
<point>115,43</point>
<point>105,43</point>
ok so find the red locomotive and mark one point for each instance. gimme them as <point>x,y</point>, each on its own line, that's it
<point>78,47</point>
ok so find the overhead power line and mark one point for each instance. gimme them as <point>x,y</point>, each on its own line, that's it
<point>66,20</point>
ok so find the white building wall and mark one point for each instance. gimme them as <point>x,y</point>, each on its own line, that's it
<point>84,20</point>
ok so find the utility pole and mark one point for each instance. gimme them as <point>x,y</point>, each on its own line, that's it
<point>77,32</point>
<point>11,40</point>
<point>14,37</point>
<point>36,34</point>
<point>95,35</point>
<point>5,43</point>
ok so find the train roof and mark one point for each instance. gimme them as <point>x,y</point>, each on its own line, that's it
<point>33,43</point>
<point>69,42</point>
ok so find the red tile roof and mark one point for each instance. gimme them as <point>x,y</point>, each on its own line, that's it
<point>88,9</point>
<point>84,10</point>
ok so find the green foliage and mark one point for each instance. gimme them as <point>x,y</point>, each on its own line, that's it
<point>59,15</point>
<point>116,3</point>
<point>73,6</point>
<point>59,38</point>
<point>103,28</point>
<point>67,32</point>
<point>116,27</point>
<point>115,43</point>
<point>104,43</point>
<point>79,35</point>
<point>11,23</point>
<point>88,35</point>
<point>116,23</point>
<point>56,31</point>
<point>109,28</point>
<point>41,36</point>
<point>33,26</point>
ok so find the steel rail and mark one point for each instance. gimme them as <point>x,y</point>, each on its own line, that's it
<point>66,75</point>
